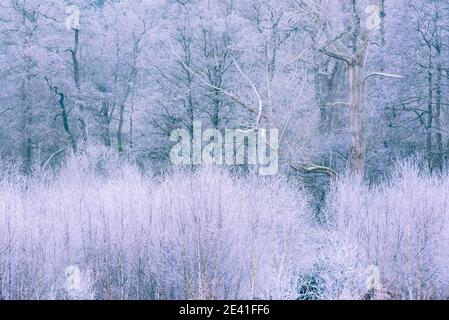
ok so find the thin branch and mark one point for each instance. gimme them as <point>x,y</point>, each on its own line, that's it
<point>227,93</point>
<point>53,155</point>
<point>381,74</point>
<point>299,56</point>
<point>5,111</point>
<point>314,169</point>
<point>338,103</point>
<point>260,109</point>
<point>336,55</point>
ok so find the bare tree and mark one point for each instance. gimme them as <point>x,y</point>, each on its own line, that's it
<point>352,48</point>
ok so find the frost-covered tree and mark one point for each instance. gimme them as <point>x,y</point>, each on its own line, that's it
<point>91,205</point>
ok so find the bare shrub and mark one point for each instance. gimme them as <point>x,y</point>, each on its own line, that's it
<point>191,235</point>
<point>399,226</point>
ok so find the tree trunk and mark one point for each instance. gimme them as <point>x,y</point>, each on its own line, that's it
<point>429,120</point>
<point>105,120</point>
<point>355,61</point>
<point>27,121</point>
<point>65,120</point>
<point>437,121</point>
<point>131,128</point>
<point>120,128</point>
<point>64,114</point>
<point>383,14</point>
<point>357,125</point>
<point>76,76</point>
